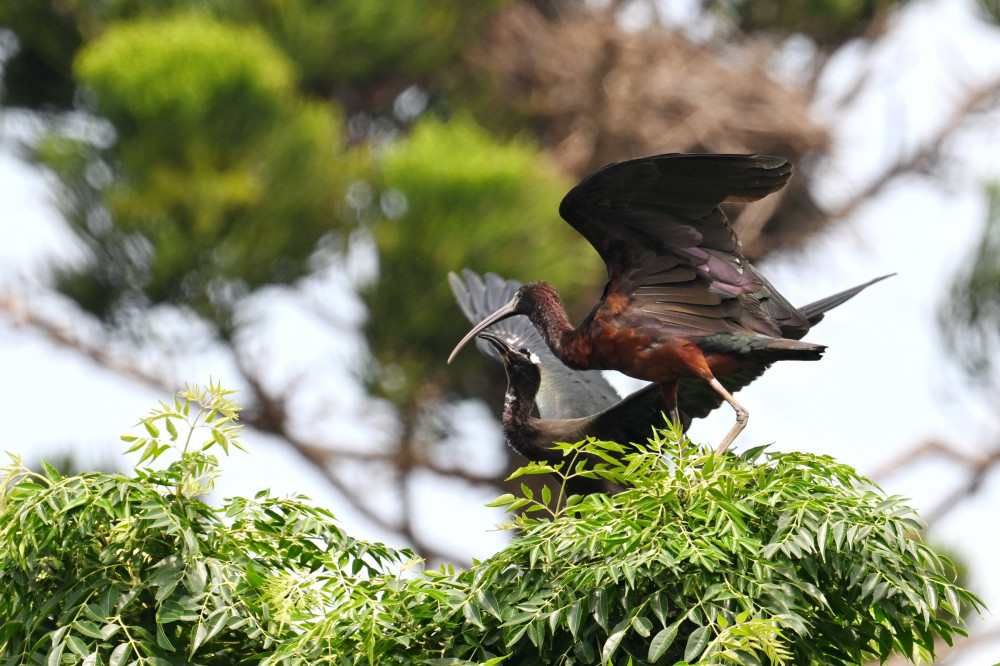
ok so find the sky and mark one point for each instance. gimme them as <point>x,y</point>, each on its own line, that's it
<point>885,384</point>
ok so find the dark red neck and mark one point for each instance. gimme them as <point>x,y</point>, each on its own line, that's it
<point>548,314</point>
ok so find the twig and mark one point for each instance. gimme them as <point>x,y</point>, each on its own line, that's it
<point>977,465</point>
<point>923,154</point>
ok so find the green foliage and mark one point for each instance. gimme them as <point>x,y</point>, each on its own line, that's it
<point>201,75</point>
<point>795,559</point>
<point>115,569</point>
<point>200,210</point>
<point>39,75</point>
<point>332,44</point>
<point>357,41</point>
<point>704,560</point>
<point>458,197</point>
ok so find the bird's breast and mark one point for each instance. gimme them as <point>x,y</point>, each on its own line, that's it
<point>657,358</point>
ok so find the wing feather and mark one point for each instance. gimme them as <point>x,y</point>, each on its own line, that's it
<point>656,221</point>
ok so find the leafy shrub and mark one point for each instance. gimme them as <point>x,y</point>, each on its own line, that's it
<point>793,559</point>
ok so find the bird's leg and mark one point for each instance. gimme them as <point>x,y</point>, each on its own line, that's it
<point>669,390</point>
<point>742,415</point>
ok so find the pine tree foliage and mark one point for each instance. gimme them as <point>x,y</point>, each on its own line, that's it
<point>762,558</point>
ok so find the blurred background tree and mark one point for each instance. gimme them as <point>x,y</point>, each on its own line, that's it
<point>217,161</point>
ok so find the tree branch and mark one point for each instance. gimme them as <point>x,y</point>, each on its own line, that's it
<point>919,159</point>
<point>977,467</point>
<point>267,413</point>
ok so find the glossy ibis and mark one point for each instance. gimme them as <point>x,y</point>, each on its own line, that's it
<point>559,391</point>
<point>627,421</point>
<point>681,301</point>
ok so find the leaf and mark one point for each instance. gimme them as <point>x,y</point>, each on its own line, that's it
<point>54,657</point>
<point>642,625</point>
<point>838,533</point>
<point>869,584</point>
<point>753,453</point>
<point>659,605</point>
<point>196,578</point>
<point>215,626</point>
<point>472,616</point>
<point>172,611</point>
<point>161,638</point>
<point>821,539</point>
<point>930,594</point>
<point>77,645</point>
<point>696,643</point>
<point>585,651</point>
<point>486,599</point>
<point>662,641</point>
<point>51,473</point>
<point>953,602</point>
<point>614,640</point>
<point>221,439</point>
<point>151,428</point>
<point>88,628</point>
<point>200,633</point>
<point>600,608</point>
<point>503,500</point>
<point>574,616</point>
<point>139,443</point>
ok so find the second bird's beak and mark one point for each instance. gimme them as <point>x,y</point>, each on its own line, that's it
<point>499,344</point>
<point>508,310</point>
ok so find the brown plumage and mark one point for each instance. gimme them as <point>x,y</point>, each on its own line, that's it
<point>681,300</point>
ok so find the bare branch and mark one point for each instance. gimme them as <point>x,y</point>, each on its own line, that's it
<point>267,413</point>
<point>977,466</point>
<point>924,155</point>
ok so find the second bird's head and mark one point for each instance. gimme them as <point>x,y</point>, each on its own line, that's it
<point>523,372</point>
<point>533,300</point>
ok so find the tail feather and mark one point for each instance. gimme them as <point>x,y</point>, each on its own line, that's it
<point>782,349</point>
<point>814,311</point>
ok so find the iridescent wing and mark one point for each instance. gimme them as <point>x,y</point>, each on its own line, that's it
<point>657,224</point>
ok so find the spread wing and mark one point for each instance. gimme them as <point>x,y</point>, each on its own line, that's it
<point>564,393</point>
<point>657,224</point>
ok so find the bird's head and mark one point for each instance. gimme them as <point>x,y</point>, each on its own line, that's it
<point>528,299</point>
<point>523,372</point>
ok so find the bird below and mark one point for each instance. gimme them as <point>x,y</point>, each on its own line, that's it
<point>625,422</point>
<point>681,301</point>
<point>577,404</point>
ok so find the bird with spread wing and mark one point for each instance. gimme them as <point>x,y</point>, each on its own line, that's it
<point>576,404</point>
<point>681,301</point>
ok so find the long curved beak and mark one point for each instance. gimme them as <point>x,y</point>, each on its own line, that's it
<point>508,310</point>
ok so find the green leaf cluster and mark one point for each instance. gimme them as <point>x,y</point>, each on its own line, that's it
<point>792,559</point>
<point>201,210</point>
<point>762,558</point>
<point>360,41</point>
<point>115,569</point>
<point>452,195</point>
<point>333,44</point>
